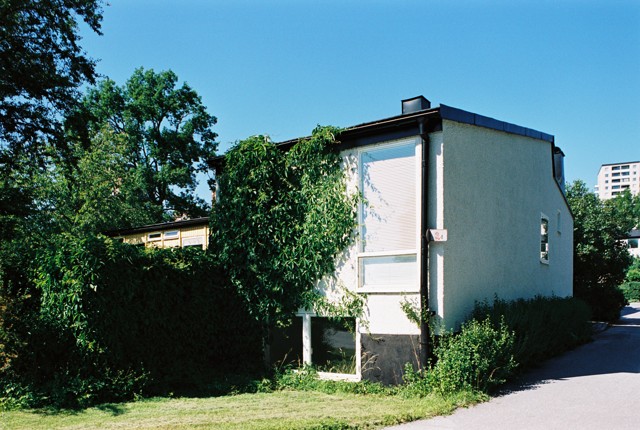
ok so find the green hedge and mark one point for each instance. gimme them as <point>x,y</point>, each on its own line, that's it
<point>543,326</point>
<point>631,291</point>
<point>113,320</point>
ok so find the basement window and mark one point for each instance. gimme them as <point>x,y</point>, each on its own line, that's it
<point>333,344</point>
<point>328,344</point>
<point>544,239</point>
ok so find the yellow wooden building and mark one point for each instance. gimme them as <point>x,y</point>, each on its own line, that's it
<point>183,233</point>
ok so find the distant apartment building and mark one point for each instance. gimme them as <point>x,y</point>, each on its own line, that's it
<point>614,179</point>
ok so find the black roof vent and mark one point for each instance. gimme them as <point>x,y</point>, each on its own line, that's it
<point>415,104</point>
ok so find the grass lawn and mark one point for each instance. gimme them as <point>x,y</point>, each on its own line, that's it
<point>277,410</point>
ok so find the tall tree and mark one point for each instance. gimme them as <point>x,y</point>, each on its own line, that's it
<point>100,193</point>
<point>166,132</point>
<point>41,67</point>
<point>600,259</point>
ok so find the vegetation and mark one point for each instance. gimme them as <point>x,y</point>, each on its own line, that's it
<point>286,409</point>
<point>281,220</point>
<point>631,291</point>
<point>162,135</point>
<point>42,66</point>
<point>112,320</point>
<point>543,326</point>
<point>600,259</point>
<point>500,340</point>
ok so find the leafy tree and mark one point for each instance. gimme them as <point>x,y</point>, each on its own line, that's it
<point>626,207</point>
<point>165,132</point>
<point>600,259</point>
<point>41,67</point>
<point>281,219</point>
<point>101,193</point>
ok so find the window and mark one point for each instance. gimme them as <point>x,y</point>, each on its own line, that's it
<point>152,237</point>
<point>544,239</point>
<point>388,217</point>
<point>329,344</point>
<point>193,241</point>
<point>333,345</point>
<point>388,180</point>
<point>173,234</point>
<point>633,243</point>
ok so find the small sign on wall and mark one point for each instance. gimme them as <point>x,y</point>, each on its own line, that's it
<point>437,235</point>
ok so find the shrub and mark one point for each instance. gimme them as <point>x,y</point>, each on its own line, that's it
<point>631,291</point>
<point>605,300</point>
<point>543,326</point>
<point>633,272</point>
<point>480,357</point>
<point>111,320</point>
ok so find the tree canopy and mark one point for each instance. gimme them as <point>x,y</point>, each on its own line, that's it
<point>41,67</point>
<point>163,129</point>
<point>600,258</point>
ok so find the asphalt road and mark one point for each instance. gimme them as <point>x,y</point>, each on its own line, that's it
<point>596,386</point>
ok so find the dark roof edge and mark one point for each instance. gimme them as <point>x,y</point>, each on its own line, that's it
<point>441,112</point>
<point>459,115</point>
<point>159,226</point>
<point>634,234</point>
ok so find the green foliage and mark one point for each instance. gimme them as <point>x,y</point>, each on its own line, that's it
<point>543,326</point>
<point>101,193</point>
<point>633,273</point>
<point>281,220</point>
<point>42,65</point>
<point>163,132</point>
<point>113,320</point>
<point>498,340</point>
<point>480,358</point>
<point>631,291</point>
<point>600,259</point>
<point>306,379</point>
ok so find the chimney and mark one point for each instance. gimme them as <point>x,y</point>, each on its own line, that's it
<point>415,104</point>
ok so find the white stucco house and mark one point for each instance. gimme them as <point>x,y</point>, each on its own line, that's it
<point>457,208</point>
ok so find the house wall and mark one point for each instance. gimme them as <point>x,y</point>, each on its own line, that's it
<point>195,235</point>
<point>491,188</point>
<point>387,338</point>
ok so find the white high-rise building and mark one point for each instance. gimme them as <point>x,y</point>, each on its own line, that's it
<point>614,179</point>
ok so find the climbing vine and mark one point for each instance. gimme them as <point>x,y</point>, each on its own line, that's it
<point>281,220</point>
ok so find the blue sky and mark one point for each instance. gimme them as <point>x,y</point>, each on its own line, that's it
<point>280,67</point>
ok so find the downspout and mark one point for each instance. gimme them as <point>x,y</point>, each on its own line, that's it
<point>424,248</point>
